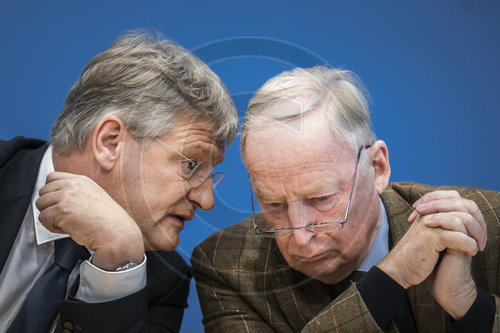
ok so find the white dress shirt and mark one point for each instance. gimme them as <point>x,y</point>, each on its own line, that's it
<point>33,252</point>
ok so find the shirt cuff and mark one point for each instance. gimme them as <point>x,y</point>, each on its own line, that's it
<point>480,316</point>
<point>97,285</point>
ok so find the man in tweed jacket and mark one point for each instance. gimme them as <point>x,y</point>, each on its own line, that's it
<point>345,250</point>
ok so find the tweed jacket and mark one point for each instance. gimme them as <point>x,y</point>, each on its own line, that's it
<point>245,285</point>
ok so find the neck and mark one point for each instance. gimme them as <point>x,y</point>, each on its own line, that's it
<point>78,163</point>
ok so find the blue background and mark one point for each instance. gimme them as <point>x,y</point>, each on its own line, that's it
<point>432,68</point>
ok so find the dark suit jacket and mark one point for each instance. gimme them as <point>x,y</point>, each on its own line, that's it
<point>245,285</point>
<point>159,307</point>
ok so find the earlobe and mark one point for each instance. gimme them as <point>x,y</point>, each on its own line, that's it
<point>381,166</point>
<point>107,141</point>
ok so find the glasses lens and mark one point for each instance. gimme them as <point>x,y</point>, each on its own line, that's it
<point>199,174</point>
<point>217,178</point>
<point>326,227</point>
<point>277,233</point>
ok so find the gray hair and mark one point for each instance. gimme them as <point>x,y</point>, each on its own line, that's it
<point>339,90</point>
<point>148,83</point>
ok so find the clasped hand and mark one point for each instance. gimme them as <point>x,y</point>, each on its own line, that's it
<point>446,231</point>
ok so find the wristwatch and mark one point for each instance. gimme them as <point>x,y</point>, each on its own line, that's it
<point>129,265</point>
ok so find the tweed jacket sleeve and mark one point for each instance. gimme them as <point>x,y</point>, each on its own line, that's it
<point>245,285</point>
<point>428,314</point>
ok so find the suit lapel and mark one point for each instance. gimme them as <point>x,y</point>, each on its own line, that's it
<point>20,160</point>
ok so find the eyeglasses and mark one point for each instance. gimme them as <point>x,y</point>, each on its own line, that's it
<point>322,227</point>
<point>198,172</point>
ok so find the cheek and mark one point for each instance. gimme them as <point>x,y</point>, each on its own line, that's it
<point>162,196</point>
<point>359,229</point>
<point>163,188</point>
<point>348,243</point>
<point>282,243</point>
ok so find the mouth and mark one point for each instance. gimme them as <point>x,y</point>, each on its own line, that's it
<point>311,258</point>
<point>181,218</point>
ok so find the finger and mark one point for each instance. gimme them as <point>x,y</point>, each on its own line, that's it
<point>48,199</point>
<point>456,221</point>
<point>447,221</point>
<point>456,241</point>
<point>446,201</point>
<point>53,186</point>
<point>442,205</point>
<point>61,180</point>
<point>436,195</point>
<point>48,218</point>
<point>478,216</point>
<point>412,216</point>
<point>57,175</point>
<point>456,205</point>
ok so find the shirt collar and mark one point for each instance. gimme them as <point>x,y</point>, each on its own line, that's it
<point>41,233</point>
<point>380,248</point>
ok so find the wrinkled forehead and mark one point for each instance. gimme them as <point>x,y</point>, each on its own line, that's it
<point>287,114</point>
<point>307,136</point>
<point>304,162</point>
<point>196,137</point>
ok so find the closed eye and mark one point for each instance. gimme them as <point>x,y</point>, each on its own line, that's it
<point>274,208</point>
<point>323,203</point>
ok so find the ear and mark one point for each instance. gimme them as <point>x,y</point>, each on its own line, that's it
<point>108,140</point>
<point>380,164</point>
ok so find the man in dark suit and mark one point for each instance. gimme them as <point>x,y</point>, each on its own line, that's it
<point>130,160</point>
<point>336,248</point>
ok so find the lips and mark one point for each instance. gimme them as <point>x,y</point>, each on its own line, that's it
<point>311,258</point>
<point>181,218</point>
<point>184,217</point>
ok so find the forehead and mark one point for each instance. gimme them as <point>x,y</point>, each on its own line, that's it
<point>195,137</point>
<point>279,157</point>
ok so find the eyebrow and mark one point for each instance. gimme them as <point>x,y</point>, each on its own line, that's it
<point>200,149</point>
<point>318,187</point>
<point>260,194</point>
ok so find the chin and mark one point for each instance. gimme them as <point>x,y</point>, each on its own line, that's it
<point>163,242</point>
<point>323,270</point>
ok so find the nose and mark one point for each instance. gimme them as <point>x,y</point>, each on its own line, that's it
<point>203,195</point>
<point>300,215</point>
<point>302,237</point>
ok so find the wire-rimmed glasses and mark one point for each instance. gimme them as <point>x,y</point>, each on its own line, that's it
<point>199,172</point>
<point>323,227</point>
